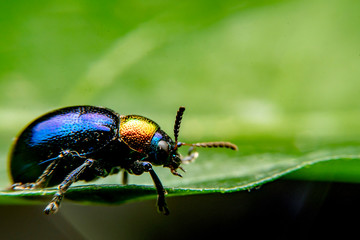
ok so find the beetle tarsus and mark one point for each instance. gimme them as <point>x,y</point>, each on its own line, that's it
<point>51,208</point>
<point>192,155</point>
<point>25,186</point>
<point>54,205</point>
<point>162,206</point>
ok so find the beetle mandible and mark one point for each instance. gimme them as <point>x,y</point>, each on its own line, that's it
<point>88,142</point>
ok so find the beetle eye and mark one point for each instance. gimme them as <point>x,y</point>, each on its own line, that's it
<point>163,146</point>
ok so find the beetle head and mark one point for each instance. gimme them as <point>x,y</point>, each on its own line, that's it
<point>165,150</point>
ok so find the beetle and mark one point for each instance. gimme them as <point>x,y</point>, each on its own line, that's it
<point>87,142</point>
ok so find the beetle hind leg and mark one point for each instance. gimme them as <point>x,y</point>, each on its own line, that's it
<point>41,181</point>
<point>45,176</point>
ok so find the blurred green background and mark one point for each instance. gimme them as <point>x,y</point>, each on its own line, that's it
<point>276,77</point>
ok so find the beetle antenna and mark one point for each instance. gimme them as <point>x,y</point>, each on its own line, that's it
<point>178,119</point>
<point>212,145</point>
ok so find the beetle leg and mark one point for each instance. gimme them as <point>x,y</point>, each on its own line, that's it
<point>125,177</point>
<point>192,155</point>
<point>53,206</point>
<point>41,181</point>
<point>142,166</point>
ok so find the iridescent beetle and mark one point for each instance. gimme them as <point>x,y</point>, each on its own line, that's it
<point>87,142</point>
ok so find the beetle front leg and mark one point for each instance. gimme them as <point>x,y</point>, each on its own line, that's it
<point>192,155</point>
<point>54,205</point>
<point>142,166</point>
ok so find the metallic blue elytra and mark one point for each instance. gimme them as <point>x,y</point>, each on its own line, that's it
<point>79,129</point>
<point>87,142</point>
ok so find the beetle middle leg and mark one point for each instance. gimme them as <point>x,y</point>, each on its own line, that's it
<point>53,206</point>
<point>125,178</point>
<point>140,167</point>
